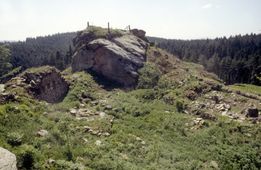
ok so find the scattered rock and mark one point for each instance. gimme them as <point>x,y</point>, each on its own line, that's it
<point>85,140</point>
<point>94,132</point>
<point>124,156</point>
<point>87,128</point>
<point>207,116</point>
<point>102,114</point>
<point>138,139</point>
<point>108,107</point>
<point>224,113</point>
<point>82,105</point>
<point>73,112</point>
<point>232,115</point>
<point>106,134</point>
<point>81,113</point>
<point>94,103</point>
<point>190,94</point>
<point>216,98</point>
<point>84,113</point>
<point>86,95</point>
<point>42,133</point>
<point>256,120</point>
<point>214,164</point>
<point>217,87</point>
<point>50,161</point>
<point>7,160</point>
<point>223,107</point>
<point>197,123</point>
<point>98,142</point>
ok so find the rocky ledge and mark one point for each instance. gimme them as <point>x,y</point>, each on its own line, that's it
<point>116,55</point>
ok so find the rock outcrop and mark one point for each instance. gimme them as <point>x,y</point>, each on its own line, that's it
<point>46,84</point>
<point>7,160</point>
<point>43,83</point>
<point>115,56</point>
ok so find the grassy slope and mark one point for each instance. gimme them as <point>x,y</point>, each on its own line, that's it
<point>147,133</point>
<point>247,88</point>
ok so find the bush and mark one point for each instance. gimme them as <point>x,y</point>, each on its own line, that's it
<point>141,111</point>
<point>170,98</point>
<point>26,158</point>
<point>14,139</point>
<point>180,106</point>
<point>242,158</point>
<point>62,164</point>
<point>136,110</point>
<point>149,76</point>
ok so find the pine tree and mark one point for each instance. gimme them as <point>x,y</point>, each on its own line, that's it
<point>5,64</point>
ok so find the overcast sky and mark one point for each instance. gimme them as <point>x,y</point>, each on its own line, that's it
<point>179,19</point>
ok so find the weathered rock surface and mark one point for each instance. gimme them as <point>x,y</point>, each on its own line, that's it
<point>7,160</point>
<point>116,59</point>
<point>2,88</point>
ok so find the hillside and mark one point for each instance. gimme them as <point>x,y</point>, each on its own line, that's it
<point>174,114</point>
<point>235,59</point>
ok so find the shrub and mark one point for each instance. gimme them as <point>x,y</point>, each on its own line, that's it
<point>180,105</point>
<point>169,98</point>
<point>62,164</point>
<point>14,139</point>
<point>136,110</point>
<point>26,158</point>
<point>149,76</point>
<point>242,158</point>
<point>141,111</point>
<point>147,94</point>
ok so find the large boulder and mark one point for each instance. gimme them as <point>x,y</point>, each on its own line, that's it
<point>117,58</point>
<point>7,160</point>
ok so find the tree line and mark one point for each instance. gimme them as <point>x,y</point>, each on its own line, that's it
<point>236,59</point>
<point>55,50</point>
<point>5,61</point>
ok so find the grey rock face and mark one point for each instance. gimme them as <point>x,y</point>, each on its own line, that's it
<point>7,160</point>
<point>117,59</point>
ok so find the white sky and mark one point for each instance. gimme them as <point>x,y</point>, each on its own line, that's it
<point>179,19</point>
